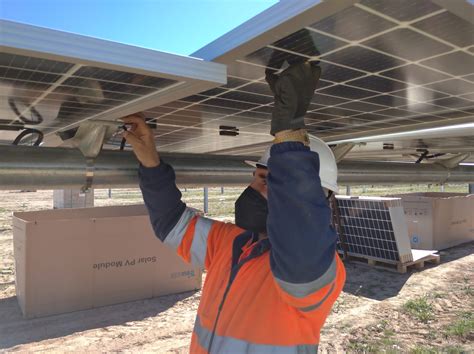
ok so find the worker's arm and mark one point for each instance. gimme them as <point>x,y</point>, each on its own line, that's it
<point>194,237</point>
<point>303,257</point>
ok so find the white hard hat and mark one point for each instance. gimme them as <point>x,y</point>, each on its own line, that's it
<point>327,163</point>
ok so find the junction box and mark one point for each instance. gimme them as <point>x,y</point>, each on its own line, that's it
<point>75,259</point>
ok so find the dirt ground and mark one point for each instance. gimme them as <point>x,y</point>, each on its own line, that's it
<point>424,311</point>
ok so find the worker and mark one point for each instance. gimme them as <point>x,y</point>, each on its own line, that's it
<point>272,278</point>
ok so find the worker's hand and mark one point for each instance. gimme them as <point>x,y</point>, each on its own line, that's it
<point>293,90</point>
<point>140,136</point>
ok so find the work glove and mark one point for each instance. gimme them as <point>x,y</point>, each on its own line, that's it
<point>293,90</point>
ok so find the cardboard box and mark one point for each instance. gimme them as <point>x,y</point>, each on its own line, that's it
<point>439,220</point>
<point>75,259</point>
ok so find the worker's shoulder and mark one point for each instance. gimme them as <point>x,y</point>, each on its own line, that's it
<point>227,228</point>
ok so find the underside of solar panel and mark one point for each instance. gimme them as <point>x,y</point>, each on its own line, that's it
<point>387,67</point>
<point>52,81</point>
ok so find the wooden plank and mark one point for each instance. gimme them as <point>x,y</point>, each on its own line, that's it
<point>357,255</point>
<point>398,267</point>
<point>401,268</point>
<point>419,265</point>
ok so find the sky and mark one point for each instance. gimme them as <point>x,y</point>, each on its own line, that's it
<point>175,26</point>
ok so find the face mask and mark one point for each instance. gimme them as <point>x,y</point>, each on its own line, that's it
<point>251,211</point>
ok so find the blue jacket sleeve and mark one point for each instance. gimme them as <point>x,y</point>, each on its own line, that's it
<point>299,219</point>
<point>162,198</point>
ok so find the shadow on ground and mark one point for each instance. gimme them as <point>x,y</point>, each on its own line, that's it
<point>15,330</point>
<point>378,284</point>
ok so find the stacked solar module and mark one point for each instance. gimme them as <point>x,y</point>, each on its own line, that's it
<point>374,228</point>
<point>386,66</point>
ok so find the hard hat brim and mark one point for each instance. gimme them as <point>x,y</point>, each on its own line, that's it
<point>255,164</point>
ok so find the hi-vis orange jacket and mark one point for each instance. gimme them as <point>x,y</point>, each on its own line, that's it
<point>267,296</point>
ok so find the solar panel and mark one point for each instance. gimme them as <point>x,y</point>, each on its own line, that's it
<point>374,227</point>
<point>387,66</point>
<point>51,80</point>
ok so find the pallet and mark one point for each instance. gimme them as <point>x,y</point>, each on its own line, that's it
<point>393,266</point>
<point>419,263</point>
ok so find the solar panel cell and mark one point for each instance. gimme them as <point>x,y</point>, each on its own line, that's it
<point>415,74</point>
<point>213,92</point>
<point>273,58</point>
<point>338,73</point>
<point>377,83</point>
<point>353,24</point>
<point>20,76</point>
<point>363,59</point>
<point>246,97</point>
<point>402,10</point>
<point>361,106</point>
<point>35,64</point>
<point>233,82</point>
<point>347,92</point>
<point>226,105</point>
<point>416,107</point>
<point>448,27</point>
<point>456,63</point>
<point>469,96</point>
<point>395,112</point>
<point>257,88</point>
<point>194,98</point>
<point>469,77</point>
<point>309,43</point>
<point>454,102</point>
<point>371,117</point>
<point>407,44</point>
<point>387,100</point>
<point>326,100</point>
<point>419,94</point>
<point>452,86</point>
<point>422,119</point>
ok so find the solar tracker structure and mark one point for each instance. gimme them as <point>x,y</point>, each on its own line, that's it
<point>51,81</point>
<point>375,228</point>
<point>387,66</point>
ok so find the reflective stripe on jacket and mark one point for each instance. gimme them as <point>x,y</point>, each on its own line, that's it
<point>276,296</point>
